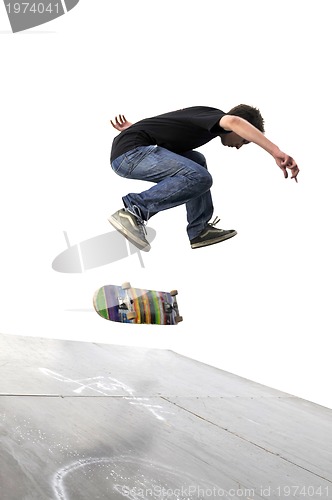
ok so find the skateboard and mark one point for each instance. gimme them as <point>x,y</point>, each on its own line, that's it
<point>125,304</point>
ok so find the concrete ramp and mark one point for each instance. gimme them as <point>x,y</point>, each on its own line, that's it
<point>91,421</point>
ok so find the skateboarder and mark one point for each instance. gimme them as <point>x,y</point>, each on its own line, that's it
<point>161,150</point>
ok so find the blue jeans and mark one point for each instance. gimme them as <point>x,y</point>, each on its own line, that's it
<point>178,179</point>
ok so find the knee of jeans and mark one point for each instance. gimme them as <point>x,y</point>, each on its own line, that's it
<point>205,180</point>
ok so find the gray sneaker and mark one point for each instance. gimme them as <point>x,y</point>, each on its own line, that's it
<point>211,235</point>
<point>131,228</point>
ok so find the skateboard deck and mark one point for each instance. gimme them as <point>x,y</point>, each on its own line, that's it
<point>125,304</point>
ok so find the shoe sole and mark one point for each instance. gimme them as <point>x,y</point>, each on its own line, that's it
<point>129,236</point>
<point>213,242</point>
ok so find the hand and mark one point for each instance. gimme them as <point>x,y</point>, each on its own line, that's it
<point>285,162</point>
<point>121,123</point>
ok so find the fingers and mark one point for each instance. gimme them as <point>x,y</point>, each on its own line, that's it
<point>286,162</point>
<point>295,170</point>
<point>289,163</point>
<point>120,121</point>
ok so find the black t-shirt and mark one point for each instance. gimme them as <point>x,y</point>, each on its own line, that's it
<point>178,131</point>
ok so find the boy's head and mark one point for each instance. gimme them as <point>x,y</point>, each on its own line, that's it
<point>249,113</point>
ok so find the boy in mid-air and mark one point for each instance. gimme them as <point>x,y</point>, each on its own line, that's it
<point>160,149</point>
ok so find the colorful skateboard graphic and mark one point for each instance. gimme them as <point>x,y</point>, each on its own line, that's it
<point>125,304</point>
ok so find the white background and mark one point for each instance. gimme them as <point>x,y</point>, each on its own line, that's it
<point>258,305</point>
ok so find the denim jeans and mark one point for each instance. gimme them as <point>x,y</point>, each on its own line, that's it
<point>178,179</point>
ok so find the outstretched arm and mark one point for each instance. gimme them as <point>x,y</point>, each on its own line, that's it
<point>250,133</point>
<point>120,123</point>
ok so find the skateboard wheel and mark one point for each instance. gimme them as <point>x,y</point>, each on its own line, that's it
<point>131,315</point>
<point>173,292</point>
<point>178,319</point>
<point>126,285</point>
